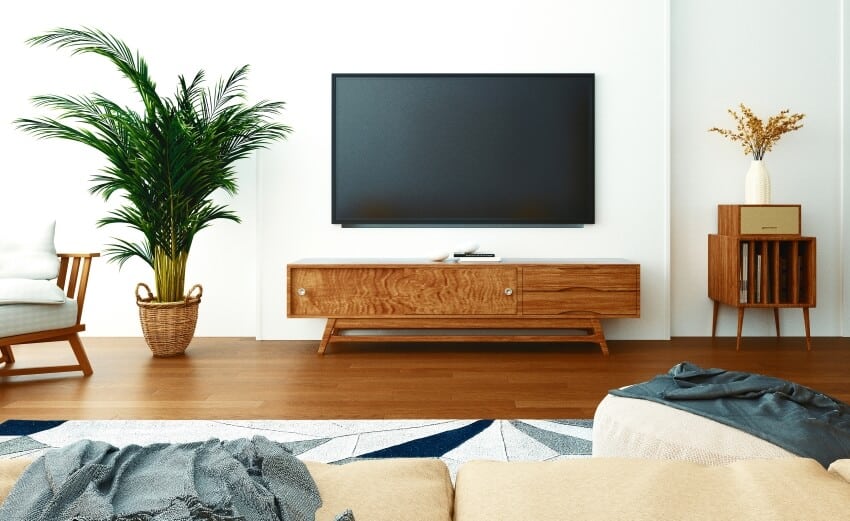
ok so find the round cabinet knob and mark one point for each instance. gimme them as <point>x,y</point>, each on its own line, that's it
<point>509,291</point>
<point>302,291</point>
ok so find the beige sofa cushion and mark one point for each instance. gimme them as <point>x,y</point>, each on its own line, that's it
<point>375,490</point>
<point>385,489</point>
<point>10,471</point>
<point>639,489</point>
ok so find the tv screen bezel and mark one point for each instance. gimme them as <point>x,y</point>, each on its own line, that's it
<point>589,217</point>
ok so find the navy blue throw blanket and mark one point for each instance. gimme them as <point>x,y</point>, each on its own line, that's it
<point>796,418</point>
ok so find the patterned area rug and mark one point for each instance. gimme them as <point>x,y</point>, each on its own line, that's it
<point>329,441</point>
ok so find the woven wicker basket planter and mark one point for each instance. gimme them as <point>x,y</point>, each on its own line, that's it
<point>168,326</point>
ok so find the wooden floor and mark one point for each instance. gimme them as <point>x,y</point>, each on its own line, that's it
<point>236,378</point>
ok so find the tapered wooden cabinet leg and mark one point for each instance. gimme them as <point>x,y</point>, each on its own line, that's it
<point>808,331</point>
<point>776,320</point>
<point>326,336</point>
<point>740,328</point>
<point>6,355</point>
<point>714,319</point>
<point>599,336</point>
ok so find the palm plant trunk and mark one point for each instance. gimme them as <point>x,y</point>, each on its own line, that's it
<point>169,275</point>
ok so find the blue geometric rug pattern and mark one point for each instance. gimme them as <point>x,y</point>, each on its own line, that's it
<point>329,441</point>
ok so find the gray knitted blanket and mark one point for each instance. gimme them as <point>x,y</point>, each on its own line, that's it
<point>250,480</point>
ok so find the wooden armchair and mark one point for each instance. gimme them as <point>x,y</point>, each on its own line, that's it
<point>72,279</point>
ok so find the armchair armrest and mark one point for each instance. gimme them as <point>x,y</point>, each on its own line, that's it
<point>73,276</point>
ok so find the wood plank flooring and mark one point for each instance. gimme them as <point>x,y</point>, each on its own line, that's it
<point>238,378</point>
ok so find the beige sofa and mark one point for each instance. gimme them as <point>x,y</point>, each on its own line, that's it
<point>584,489</point>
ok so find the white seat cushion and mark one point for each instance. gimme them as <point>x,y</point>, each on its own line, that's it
<point>29,291</point>
<point>19,319</point>
<point>27,250</point>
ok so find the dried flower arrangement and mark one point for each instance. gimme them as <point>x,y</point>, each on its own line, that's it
<point>756,137</point>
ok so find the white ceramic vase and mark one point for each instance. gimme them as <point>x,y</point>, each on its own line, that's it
<point>757,184</point>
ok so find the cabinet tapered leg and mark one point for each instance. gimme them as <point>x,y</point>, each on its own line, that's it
<point>808,332</point>
<point>776,320</point>
<point>326,336</point>
<point>714,319</point>
<point>599,335</point>
<point>740,328</point>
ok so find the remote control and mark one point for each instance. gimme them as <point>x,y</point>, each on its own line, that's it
<point>474,254</point>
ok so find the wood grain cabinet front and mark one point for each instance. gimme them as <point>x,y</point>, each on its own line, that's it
<point>586,290</point>
<point>402,291</point>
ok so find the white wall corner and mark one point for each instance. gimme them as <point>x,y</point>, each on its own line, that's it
<point>844,97</point>
<point>668,87</point>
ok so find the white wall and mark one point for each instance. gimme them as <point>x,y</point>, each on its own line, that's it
<point>844,185</point>
<point>770,55</point>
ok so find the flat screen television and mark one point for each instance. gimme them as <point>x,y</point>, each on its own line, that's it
<point>463,149</point>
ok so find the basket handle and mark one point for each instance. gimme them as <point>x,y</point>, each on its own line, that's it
<point>200,292</point>
<point>139,297</point>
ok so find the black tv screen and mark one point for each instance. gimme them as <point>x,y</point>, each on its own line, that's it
<point>463,149</point>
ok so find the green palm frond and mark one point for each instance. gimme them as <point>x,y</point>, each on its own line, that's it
<point>167,161</point>
<point>87,40</point>
<point>124,250</point>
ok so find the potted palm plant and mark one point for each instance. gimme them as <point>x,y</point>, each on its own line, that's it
<point>165,160</point>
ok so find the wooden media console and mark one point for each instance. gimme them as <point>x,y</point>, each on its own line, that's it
<point>521,300</point>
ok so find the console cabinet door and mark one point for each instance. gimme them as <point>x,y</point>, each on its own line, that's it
<point>582,290</point>
<point>388,291</point>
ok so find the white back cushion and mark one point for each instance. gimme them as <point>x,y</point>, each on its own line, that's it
<point>29,291</point>
<point>27,251</point>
